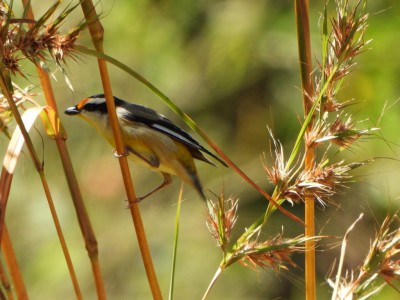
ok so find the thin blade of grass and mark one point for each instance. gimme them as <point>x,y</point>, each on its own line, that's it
<point>175,249</point>
<point>213,280</point>
<point>27,6</point>
<point>48,14</point>
<point>65,13</point>
<point>325,37</point>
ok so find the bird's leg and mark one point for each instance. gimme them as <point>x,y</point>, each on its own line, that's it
<point>152,161</point>
<point>167,180</point>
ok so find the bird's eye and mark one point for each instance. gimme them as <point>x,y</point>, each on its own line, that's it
<point>90,107</point>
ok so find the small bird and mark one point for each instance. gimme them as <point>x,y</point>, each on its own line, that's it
<point>149,138</point>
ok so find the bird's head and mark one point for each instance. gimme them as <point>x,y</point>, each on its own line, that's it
<point>93,110</point>
<point>93,104</point>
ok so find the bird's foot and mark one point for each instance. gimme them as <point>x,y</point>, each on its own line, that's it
<point>132,202</point>
<point>117,155</point>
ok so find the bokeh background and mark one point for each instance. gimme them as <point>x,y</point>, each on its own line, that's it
<point>233,67</point>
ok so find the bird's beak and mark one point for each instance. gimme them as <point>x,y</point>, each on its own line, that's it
<point>72,111</point>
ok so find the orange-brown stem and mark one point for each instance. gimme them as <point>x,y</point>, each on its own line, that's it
<point>304,46</point>
<point>12,264</point>
<point>97,34</point>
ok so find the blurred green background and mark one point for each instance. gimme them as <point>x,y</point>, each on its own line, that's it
<point>233,67</point>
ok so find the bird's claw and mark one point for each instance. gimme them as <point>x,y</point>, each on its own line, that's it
<point>135,201</point>
<point>117,155</point>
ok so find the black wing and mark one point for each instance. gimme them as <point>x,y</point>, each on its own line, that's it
<point>156,121</point>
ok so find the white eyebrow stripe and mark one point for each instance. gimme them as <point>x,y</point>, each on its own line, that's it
<point>175,134</point>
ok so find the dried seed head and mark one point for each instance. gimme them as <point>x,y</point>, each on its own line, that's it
<point>322,182</point>
<point>345,288</point>
<point>316,135</point>
<point>348,31</point>
<point>20,96</point>
<point>332,104</point>
<point>36,40</point>
<point>221,218</point>
<point>11,63</point>
<point>383,256</point>
<point>293,194</point>
<point>344,132</point>
<point>382,262</point>
<point>341,46</point>
<point>275,253</point>
<point>277,173</point>
<point>390,271</point>
<point>3,9</point>
<point>340,132</point>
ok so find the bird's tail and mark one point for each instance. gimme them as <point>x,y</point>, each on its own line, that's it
<point>190,176</point>
<point>197,185</point>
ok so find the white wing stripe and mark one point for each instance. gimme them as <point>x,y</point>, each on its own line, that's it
<point>175,134</point>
